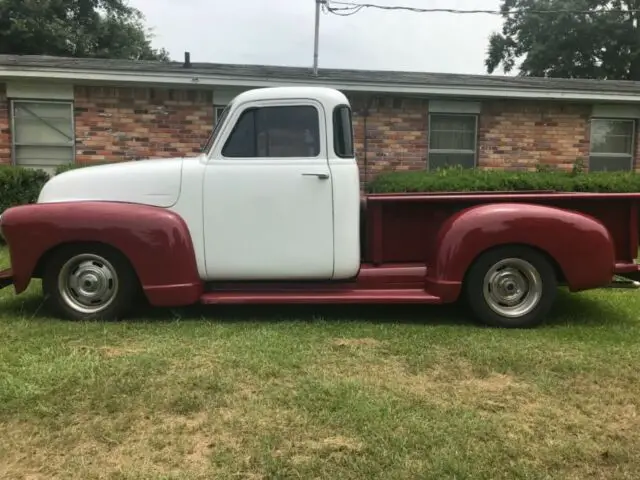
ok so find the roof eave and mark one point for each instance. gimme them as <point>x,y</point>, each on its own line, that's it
<point>207,80</point>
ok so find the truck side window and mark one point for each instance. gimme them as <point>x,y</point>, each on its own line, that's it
<point>292,131</point>
<point>342,132</point>
<point>242,141</point>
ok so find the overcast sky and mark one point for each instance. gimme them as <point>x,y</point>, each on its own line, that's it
<point>280,32</point>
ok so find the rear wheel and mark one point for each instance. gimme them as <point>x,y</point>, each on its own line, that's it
<point>87,283</point>
<point>511,287</point>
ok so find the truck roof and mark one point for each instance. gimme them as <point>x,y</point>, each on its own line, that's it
<point>325,95</point>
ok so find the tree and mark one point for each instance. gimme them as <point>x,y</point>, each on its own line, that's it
<point>602,43</point>
<point>75,28</point>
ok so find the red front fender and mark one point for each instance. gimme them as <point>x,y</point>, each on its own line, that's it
<point>155,240</point>
<point>581,246</point>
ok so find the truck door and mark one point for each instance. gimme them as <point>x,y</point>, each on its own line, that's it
<point>268,202</point>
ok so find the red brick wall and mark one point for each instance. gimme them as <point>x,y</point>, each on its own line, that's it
<point>5,131</point>
<point>123,123</point>
<point>396,134</point>
<point>520,135</point>
<point>511,134</point>
<point>114,124</point>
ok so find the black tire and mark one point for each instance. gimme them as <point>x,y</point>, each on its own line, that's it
<point>97,267</point>
<point>531,270</point>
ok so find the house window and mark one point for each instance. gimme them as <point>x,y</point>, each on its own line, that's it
<point>218,110</point>
<point>275,132</point>
<point>42,134</point>
<point>612,144</point>
<point>452,140</point>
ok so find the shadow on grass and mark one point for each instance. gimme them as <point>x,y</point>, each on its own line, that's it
<point>578,309</point>
<point>587,310</point>
<point>439,314</point>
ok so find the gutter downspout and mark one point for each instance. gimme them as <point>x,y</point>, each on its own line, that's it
<point>365,114</point>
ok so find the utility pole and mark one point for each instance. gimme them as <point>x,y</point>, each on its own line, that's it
<point>317,35</point>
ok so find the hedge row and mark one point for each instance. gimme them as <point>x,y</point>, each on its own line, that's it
<point>470,180</point>
<point>20,185</point>
<point>72,166</point>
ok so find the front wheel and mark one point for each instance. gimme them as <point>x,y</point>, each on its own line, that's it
<point>511,287</point>
<point>89,283</point>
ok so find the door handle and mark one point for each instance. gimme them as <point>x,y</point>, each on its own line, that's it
<point>321,176</point>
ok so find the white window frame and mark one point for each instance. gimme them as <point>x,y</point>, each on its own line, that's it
<point>440,150</point>
<point>631,156</point>
<point>233,119</point>
<point>15,145</point>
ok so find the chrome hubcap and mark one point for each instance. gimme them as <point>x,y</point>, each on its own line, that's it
<point>88,283</point>
<point>512,287</point>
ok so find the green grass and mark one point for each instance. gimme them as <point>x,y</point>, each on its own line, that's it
<point>335,393</point>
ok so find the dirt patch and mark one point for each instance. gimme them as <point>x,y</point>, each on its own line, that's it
<point>200,451</point>
<point>493,383</point>
<point>106,351</point>
<point>451,384</point>
<point>338,443</point>
<point>307,447</point>
<point>113,352</point>
<point>455,376</point>
<point>96,447</point>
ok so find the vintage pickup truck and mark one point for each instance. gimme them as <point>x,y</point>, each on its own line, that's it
<point>272,212</point>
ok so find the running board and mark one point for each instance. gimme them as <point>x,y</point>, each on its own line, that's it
<point>624,283</point>
<point>363,296</point>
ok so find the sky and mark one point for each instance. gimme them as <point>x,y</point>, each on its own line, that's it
<point>281,32</point>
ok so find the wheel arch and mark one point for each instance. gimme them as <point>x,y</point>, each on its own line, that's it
<point>565,237</point>
<point>155,241</point>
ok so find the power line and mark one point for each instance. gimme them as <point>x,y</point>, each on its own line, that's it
<point>342,11</point>
<point>351,8</point>
<point>338,11</point>
<point>348,8</point>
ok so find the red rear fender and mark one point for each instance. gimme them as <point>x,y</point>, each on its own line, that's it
<point>155,240</point>
<point>580,245</point>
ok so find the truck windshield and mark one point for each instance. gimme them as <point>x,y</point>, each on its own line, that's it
<point>216,129</point>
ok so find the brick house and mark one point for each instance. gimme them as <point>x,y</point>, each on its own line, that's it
<point>61,110</point>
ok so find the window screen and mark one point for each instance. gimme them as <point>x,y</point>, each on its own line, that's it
<point>452,140</point>
<point>42,134</point>
<point>612,144</point>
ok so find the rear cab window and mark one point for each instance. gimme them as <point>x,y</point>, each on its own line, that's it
<point>343,132</point>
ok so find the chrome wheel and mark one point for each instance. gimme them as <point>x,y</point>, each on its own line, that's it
<point>512,287</point>
<point>88,283</point>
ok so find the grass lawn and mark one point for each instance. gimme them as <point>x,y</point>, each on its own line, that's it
<point>331,393</point>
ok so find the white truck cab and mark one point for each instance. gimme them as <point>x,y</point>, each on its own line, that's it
<point>274,195</point>
<point>281,191</point>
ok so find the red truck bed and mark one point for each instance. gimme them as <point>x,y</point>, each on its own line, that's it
<point>399,226</point>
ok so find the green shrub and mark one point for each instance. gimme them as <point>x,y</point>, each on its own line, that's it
<point>71,166</point>
<point>19,186</point>
<point>473,180</point>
